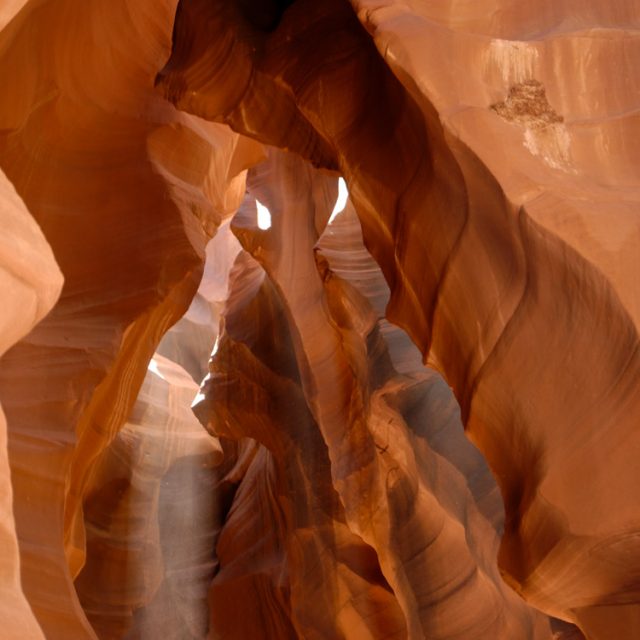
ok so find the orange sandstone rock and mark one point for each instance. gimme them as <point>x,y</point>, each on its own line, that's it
<point>491,154</point>
<point>30,283</point>
<point>509,244</point>
<point>127,191</point>
<point>149,517</point>
<point>436,552</point>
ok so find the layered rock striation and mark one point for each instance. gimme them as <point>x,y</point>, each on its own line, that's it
<point>127,191</point>
<point>479,287</point>
<point>30,283</point>
<point>500,263</point>
<point>149,517</point>
<point>395,492</point>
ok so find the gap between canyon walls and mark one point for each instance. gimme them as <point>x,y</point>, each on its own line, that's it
<point>389,483</point>
<point>474,280</point>
<point>336,441</point>
<point>127,191</point>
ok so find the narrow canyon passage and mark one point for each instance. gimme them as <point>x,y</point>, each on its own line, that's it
<point>347,345</point>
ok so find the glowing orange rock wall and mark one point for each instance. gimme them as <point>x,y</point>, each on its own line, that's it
<point>30,283</point>
<point>504,263</point>
<point>397,494</point>
<point>127,191</point>
<point>491,155</point>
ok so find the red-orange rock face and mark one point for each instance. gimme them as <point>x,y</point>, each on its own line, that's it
<point>247,414</point>
<point>30,282</point>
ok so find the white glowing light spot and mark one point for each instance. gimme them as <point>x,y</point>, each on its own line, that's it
<point>264,216</point>
<point>341,202</point>
<point>199,398</point>
<point>200,395</point>
<point>153,367</point>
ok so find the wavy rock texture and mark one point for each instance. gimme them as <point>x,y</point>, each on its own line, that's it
<point>511,266</point>
<point>491,157</point>
<point>127,191</point>
<point>157,500</point>
<point>285,540</point>
<point>437,414</point>
<point>30,283</point>
<point>408,506</point>
<point>428,405</point>
<point>149,517</point>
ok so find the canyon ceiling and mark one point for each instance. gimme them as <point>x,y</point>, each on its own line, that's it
<point>320,319</point>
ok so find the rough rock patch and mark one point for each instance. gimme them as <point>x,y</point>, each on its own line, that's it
<point>527,104</point>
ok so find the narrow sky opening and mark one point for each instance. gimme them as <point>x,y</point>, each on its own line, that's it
<point>264,216</point>
<point>341,202</point>
<point>153,367</point>
<point>200,396</point>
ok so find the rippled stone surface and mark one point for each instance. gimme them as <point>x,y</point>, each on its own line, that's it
<point>508,246</point>
<point>127,191</point>
<point>30,284</point>
<point>482,280</point>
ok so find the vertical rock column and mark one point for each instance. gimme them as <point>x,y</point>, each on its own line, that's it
<point>30,282</point>
<point>436,551</point>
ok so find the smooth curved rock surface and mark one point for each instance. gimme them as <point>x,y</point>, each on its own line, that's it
<point>427,398</point>
<point>286,540</point>
<point>127,191</point>
<point>412,506</point>
<point>490,150</point>
<point>149,517</point>
<point>191,340</point>
<point>30,283</point>
<point>503,261</point>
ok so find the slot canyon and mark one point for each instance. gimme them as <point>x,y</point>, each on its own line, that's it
<point>321,320</point>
